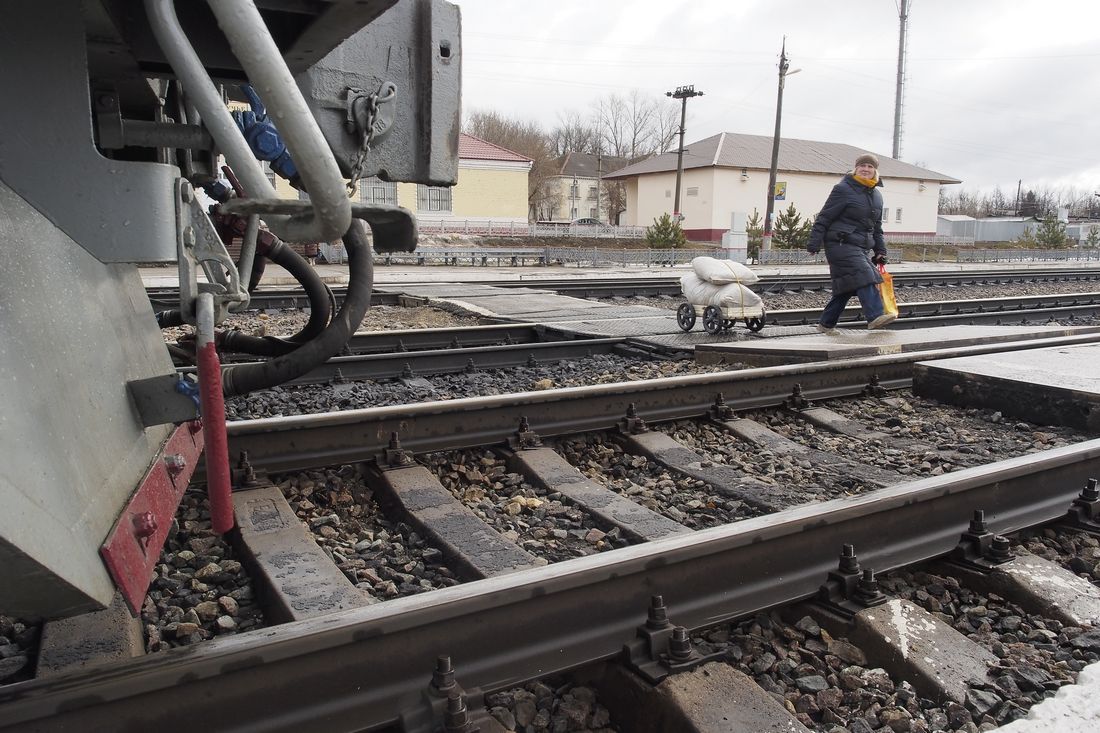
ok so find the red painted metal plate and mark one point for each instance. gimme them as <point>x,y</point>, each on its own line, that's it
<point>133,546</point>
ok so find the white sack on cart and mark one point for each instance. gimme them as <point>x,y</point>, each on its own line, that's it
<point>721,272</point>
<point>733,295</point>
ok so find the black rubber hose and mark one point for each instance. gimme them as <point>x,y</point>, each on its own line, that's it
<point>244,378</point>
<point>170,319</point>
<point>320,303</point>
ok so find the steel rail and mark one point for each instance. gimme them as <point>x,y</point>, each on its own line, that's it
<point>296,442</point>
<point>448,361</point>
<point>361,669</point>
<point>670,284</point>
<point>1031,308</point>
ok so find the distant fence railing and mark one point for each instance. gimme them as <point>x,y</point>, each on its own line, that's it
<point>1028,255</point>
<point>504,257</point>
<point>489,228</point>
<point>930,239</point>
<point>802,257</point>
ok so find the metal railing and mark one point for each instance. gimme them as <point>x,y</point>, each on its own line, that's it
<point>1028,255</point>
<point>516,257</point>
<point>930,239</point>
<point>490,228</point>
<point>802,257</point>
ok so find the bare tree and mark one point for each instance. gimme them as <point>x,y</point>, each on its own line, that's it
<point>574,134</point>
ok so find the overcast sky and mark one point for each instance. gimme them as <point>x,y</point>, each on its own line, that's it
<point>997,90</point>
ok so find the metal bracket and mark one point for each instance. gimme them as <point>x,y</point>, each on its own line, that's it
<point>1084,512</point>
<point>632,424</point>
<point>445,706</point>
<point>720,410</point>
<point>796,401</point>
<point>393,228</point>
<point>395,456</point>
<point>524,438</point>
<point>979,549</point>
<point>199,246</point>
<point>874,388</point>
<point>848,590</point>
<point>661,649</point>
<point>159,400</point>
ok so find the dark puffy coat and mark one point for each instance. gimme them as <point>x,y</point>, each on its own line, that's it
<point>850,228</point>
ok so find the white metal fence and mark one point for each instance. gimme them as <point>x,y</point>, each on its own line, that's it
<point>1029,255</point>
<point>581,256</point>
<point>930,239</point>
<point>490,228</point>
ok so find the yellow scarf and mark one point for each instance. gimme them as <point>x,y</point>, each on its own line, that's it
<point>868,182</point>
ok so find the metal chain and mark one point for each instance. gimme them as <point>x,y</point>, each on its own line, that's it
<point>366,136</point>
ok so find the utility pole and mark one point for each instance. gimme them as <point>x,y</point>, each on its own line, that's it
<point>599,182</point>
<point>784,63</point>
<point>903,19</point>
<point>683,94</point>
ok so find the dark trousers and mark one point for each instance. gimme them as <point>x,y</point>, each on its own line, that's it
<point>869,300</point>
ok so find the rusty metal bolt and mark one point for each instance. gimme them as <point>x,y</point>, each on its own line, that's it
<point>145,525</point>
<point>175,463</point>
<point>1090,492</point>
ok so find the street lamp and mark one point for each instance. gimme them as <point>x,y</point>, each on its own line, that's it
<point>784,63</point>
<point>573,196</point>
<point>683,94</point>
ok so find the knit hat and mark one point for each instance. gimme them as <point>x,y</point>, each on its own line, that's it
<point>866,158</point>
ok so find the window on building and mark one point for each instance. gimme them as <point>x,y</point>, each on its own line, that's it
<point>433,198</point>
<point>591,193</point>
<point>592,213</point>
<point>374,190</point>
<point>574,191</point>
<point>693,191</point>
<point>885,215</point>
<point>897,216</point>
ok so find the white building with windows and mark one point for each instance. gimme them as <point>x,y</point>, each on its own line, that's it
<point>728,173</point>
<point>577,189</point>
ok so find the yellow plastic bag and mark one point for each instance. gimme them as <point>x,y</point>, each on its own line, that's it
<point>886,290</point>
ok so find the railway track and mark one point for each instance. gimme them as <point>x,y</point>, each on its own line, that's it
<point>500,629</point>
<point>166,298</point>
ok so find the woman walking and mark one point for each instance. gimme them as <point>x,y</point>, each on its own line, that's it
<point>849,226</point>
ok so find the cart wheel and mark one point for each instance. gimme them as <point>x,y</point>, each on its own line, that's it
<point>712,320</point>
<point>685,316</point>
<point>755,324</point>
<point>727,324</point>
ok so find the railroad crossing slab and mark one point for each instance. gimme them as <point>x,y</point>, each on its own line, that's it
<point>850,343</point>
<point>544,467</point>
<point>468,542</point>
<point>1055,386</point>
<point>715,698</point>
<point>912,644</point>
<point>1040,586</point>
<point>297,578</point>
